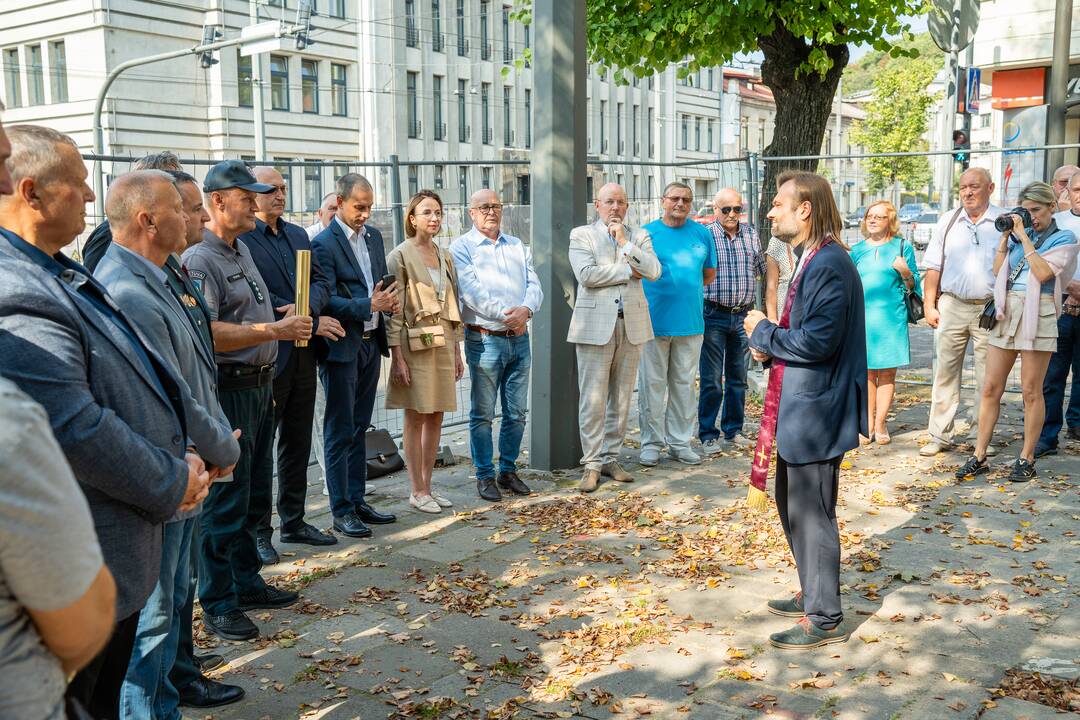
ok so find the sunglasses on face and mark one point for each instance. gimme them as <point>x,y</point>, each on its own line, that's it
<point>728,209</point>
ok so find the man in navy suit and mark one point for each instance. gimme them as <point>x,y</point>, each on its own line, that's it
<point>273,245</point>
<point>820,345</point>
<point>354,259</point>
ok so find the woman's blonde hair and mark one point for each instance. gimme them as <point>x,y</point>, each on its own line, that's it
<point>1038,192</point>
<point>890,212</point>
<point>410,228</point>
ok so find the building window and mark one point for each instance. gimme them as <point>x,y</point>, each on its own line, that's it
<point>508,131</point>
<point>603,126</point>
<point>286,175</point>
<point>651,81</point>
<point>634,131</point>
<point>648,133</point>
<point>279,82</point>
<point>710,146</point>
<point>528,118</point>
<point>438,42</point>
<point>761,133</point>
<point>485,109</point>
<point>523,189</point>
<point>35,76</point>
<point>337,8</point>
<point>508,52</point>
<point>712,78</point>
<point>528,42</point>
<point>685,144</point>
<point>463,182</point>
<point>485,178</point>
<point>309,84</point>
<point>634,181</point>
<point>744,133</point>
<point>697,133</point>
<point>411,34</point>
<point>437,106</point>
<point>58,71</point>
<point>462,41</point>
<point>12,79</point>
<point>984,120</point>
<point>339,95</point>
<point>440,183</point>
<point>485,41</point>
<point>462,125</point>
<point>618,127</point>
<point>414,180</point>
<point>411,106</point>
<point>243,80</point>
<point>312,188</point>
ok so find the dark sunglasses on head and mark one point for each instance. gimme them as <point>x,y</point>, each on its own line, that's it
<point>727,209</point>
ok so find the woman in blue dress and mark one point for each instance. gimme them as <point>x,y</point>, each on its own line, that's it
<point>886,265</point>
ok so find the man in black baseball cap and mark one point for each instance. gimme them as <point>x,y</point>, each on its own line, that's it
<point>233,174</point>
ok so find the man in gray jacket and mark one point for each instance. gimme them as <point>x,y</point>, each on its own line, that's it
<point>148,221</point>
<point>113,403</point>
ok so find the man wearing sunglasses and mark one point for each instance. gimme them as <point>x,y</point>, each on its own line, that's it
<point>740,264</point>
<point>958,267</point>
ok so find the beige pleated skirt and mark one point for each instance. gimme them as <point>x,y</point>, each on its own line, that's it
<point>1007,331</point>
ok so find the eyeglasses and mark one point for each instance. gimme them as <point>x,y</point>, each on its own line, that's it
<point>676,200</point>
<point>728,209</point>
<point>877,217</point>
<point>488,209</point>
<point>429,213</point>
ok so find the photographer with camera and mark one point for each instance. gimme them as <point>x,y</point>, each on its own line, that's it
<point>1034,260</point>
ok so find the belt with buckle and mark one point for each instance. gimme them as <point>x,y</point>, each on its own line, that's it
<point>496,333</point>
<point>368,335</point>
<point>1072,310</point>
<point>733,309</point>
<point>239,376</point>
<point>966,301</point>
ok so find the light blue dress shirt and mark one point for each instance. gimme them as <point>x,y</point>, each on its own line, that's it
<point>493,277</point>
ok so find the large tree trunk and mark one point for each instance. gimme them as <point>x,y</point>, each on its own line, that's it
<point>803,105</point>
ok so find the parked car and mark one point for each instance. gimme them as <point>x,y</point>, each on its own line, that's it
<point>921,230</point>
<point>855,217</point>
<point>910,211</point>
<point>705,214</point>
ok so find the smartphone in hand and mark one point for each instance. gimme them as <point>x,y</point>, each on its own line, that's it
<point>387,281</point>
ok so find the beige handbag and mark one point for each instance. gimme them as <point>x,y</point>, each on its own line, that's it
<point>426,337</point>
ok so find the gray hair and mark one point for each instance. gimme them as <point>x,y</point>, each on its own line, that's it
<point>671,185</point>
<point>350,182</point>
<point>164,160</point>
<point>33,153</point>
<point>980,171</point>
<point>131,194</point>
<point>327,196</point>
<point>1038,192</point>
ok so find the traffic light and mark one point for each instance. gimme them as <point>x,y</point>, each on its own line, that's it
<point>961,148</point>
<point>210,34</point>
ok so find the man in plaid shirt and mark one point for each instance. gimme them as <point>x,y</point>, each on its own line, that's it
<point>740,263</point>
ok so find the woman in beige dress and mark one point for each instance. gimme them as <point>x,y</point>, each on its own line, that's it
<point>425,342</point>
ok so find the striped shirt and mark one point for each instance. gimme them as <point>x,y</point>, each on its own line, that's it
<point>739,264</point>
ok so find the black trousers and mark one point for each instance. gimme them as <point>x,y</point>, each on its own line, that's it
<point>806,499</point>
<point>294,413</point>
<point>97,686</point>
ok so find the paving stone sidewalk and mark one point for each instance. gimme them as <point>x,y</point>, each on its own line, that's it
<point>648,599</point>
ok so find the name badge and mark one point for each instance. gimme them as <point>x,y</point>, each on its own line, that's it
<point>234,278</point>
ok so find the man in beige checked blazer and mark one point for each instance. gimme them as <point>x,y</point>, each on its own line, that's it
<point>610,324</point>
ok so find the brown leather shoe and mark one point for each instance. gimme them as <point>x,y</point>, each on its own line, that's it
<point>589,481</point>
<point>615,471</point>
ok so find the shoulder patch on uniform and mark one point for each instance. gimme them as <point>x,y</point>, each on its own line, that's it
<point>197,274</point>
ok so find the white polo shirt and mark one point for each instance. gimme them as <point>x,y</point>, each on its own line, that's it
<point>1068,220</point>
<point>969,254</point>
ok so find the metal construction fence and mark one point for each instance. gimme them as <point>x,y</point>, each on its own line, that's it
<point>855,187</point>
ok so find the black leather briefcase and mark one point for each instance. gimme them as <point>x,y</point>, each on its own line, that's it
<point>383,457</point>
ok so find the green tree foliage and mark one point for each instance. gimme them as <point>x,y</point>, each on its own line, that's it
<point>859,75</point>
<point>896,122</point>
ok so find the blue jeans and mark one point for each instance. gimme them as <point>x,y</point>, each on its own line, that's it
<point>1066,357</point>
<point>723,374</point>
<point>498,367</point>
<point>146,692</point>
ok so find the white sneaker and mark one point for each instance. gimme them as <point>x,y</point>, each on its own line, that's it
<point>425,503</point>
<point>685,456</point>
<point>741,441</point>
<point>933,448</point>
<point>441,500</point>
<point>649,456</point>
<point>713,447</point>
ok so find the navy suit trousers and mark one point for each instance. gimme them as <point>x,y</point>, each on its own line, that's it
<point>350,401</point>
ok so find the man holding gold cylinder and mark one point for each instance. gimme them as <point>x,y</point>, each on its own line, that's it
<point>276,246</point>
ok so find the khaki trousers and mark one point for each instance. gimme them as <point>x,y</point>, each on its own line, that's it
<point>959,323</point>
<point>606,376</point>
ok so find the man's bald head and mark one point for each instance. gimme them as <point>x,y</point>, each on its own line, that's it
<point>485,210</point>
<point>731,199</point>
<point>272,204</point>
<point>134,193</point>
<point>611,203</point>
<point>483,196</point>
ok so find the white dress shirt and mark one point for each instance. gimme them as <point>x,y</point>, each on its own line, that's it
<point>969,255</point>
<point>358,243</point>
<point>493,277</point>
<point>314,229</point>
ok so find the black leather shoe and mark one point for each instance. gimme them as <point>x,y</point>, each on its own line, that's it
<point>231,626</point>
<point>205,693</point>
<point>308,535</point>
<point>370,515</point>
<point>269,598</point>
<point>267,554</point>
<point>488,491</point>
<point>208,662</point>
<point>352,526</point>
<point>510,482</point>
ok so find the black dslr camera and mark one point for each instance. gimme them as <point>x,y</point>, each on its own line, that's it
<point>1004,221</point>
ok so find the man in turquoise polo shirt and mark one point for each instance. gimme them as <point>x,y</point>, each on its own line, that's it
<point>687,254</point>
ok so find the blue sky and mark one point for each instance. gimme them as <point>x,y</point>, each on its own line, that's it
<point>918,25</point>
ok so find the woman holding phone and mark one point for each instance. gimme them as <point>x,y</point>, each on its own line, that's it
<point>425,343</point>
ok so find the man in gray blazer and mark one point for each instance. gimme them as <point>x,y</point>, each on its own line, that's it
<point>609,325</point>
<point>148,221</point>
<point>113,403</point>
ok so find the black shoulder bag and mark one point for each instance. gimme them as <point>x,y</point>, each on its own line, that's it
<point>912,300</point>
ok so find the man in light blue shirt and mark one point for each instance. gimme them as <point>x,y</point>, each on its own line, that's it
<point>499,293</point>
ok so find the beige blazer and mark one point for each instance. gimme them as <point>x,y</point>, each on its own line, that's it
<point>604,278</point>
